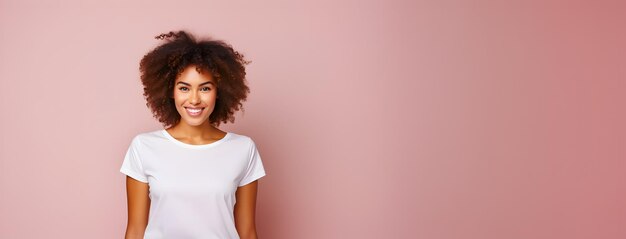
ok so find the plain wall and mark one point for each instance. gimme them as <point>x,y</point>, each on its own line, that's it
<point>374,119</point>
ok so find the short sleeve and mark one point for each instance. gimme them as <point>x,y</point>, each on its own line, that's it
<point>132,163</point>
<point>255,169</point>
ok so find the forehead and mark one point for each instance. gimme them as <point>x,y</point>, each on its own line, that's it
<point>194,75</point>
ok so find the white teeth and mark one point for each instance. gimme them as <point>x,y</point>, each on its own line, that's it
<point>194,111</point>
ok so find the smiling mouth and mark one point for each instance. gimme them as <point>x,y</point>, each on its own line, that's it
<point>194,111</point>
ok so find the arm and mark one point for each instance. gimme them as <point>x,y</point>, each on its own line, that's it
<point>138,208</point>
<point>244,211</point>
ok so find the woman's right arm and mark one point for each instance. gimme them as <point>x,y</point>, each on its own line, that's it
<point>138,208</point>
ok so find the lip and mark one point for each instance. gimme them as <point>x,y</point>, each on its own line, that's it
<point>194,114</point>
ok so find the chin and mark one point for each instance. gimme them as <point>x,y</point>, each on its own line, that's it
<point>195,122</point>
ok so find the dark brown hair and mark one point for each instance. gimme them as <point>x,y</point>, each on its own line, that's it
<point>161,66</point>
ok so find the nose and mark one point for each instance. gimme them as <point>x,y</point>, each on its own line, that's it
<point>194,98</point>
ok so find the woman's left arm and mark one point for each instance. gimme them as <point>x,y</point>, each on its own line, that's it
<point>244,211</point>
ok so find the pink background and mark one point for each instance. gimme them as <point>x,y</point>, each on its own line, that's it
<point>375,119</point>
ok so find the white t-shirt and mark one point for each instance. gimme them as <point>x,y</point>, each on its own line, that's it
<point>192,187</point>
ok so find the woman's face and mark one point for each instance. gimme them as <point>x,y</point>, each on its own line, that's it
<point>194,96</point>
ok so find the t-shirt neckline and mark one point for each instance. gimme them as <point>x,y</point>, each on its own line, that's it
<point>195,146</point>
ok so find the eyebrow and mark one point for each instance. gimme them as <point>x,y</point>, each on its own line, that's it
<point>187,84</point>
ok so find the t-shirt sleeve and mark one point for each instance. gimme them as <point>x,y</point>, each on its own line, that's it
<point>132,163</point>
<point>255,169</point>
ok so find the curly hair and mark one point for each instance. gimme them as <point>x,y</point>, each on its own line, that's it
<point>160,67</point>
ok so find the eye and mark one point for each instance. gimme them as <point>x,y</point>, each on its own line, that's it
<point>206,88</point>
<point>183,88</point>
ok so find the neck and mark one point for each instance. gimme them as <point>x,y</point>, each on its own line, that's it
<point>195,131</point>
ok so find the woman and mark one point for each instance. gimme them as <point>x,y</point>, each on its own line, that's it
<point>192,180</point>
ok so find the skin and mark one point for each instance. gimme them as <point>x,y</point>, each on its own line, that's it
<point>192,89</point>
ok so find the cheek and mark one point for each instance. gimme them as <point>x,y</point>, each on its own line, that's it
<point>178,99</point>
<point>209,98</point>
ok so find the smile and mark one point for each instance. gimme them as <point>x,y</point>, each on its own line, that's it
<point>194,111</point>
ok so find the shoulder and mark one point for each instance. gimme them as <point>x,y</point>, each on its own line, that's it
<point>148,136</point>
<point>239,137</point>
